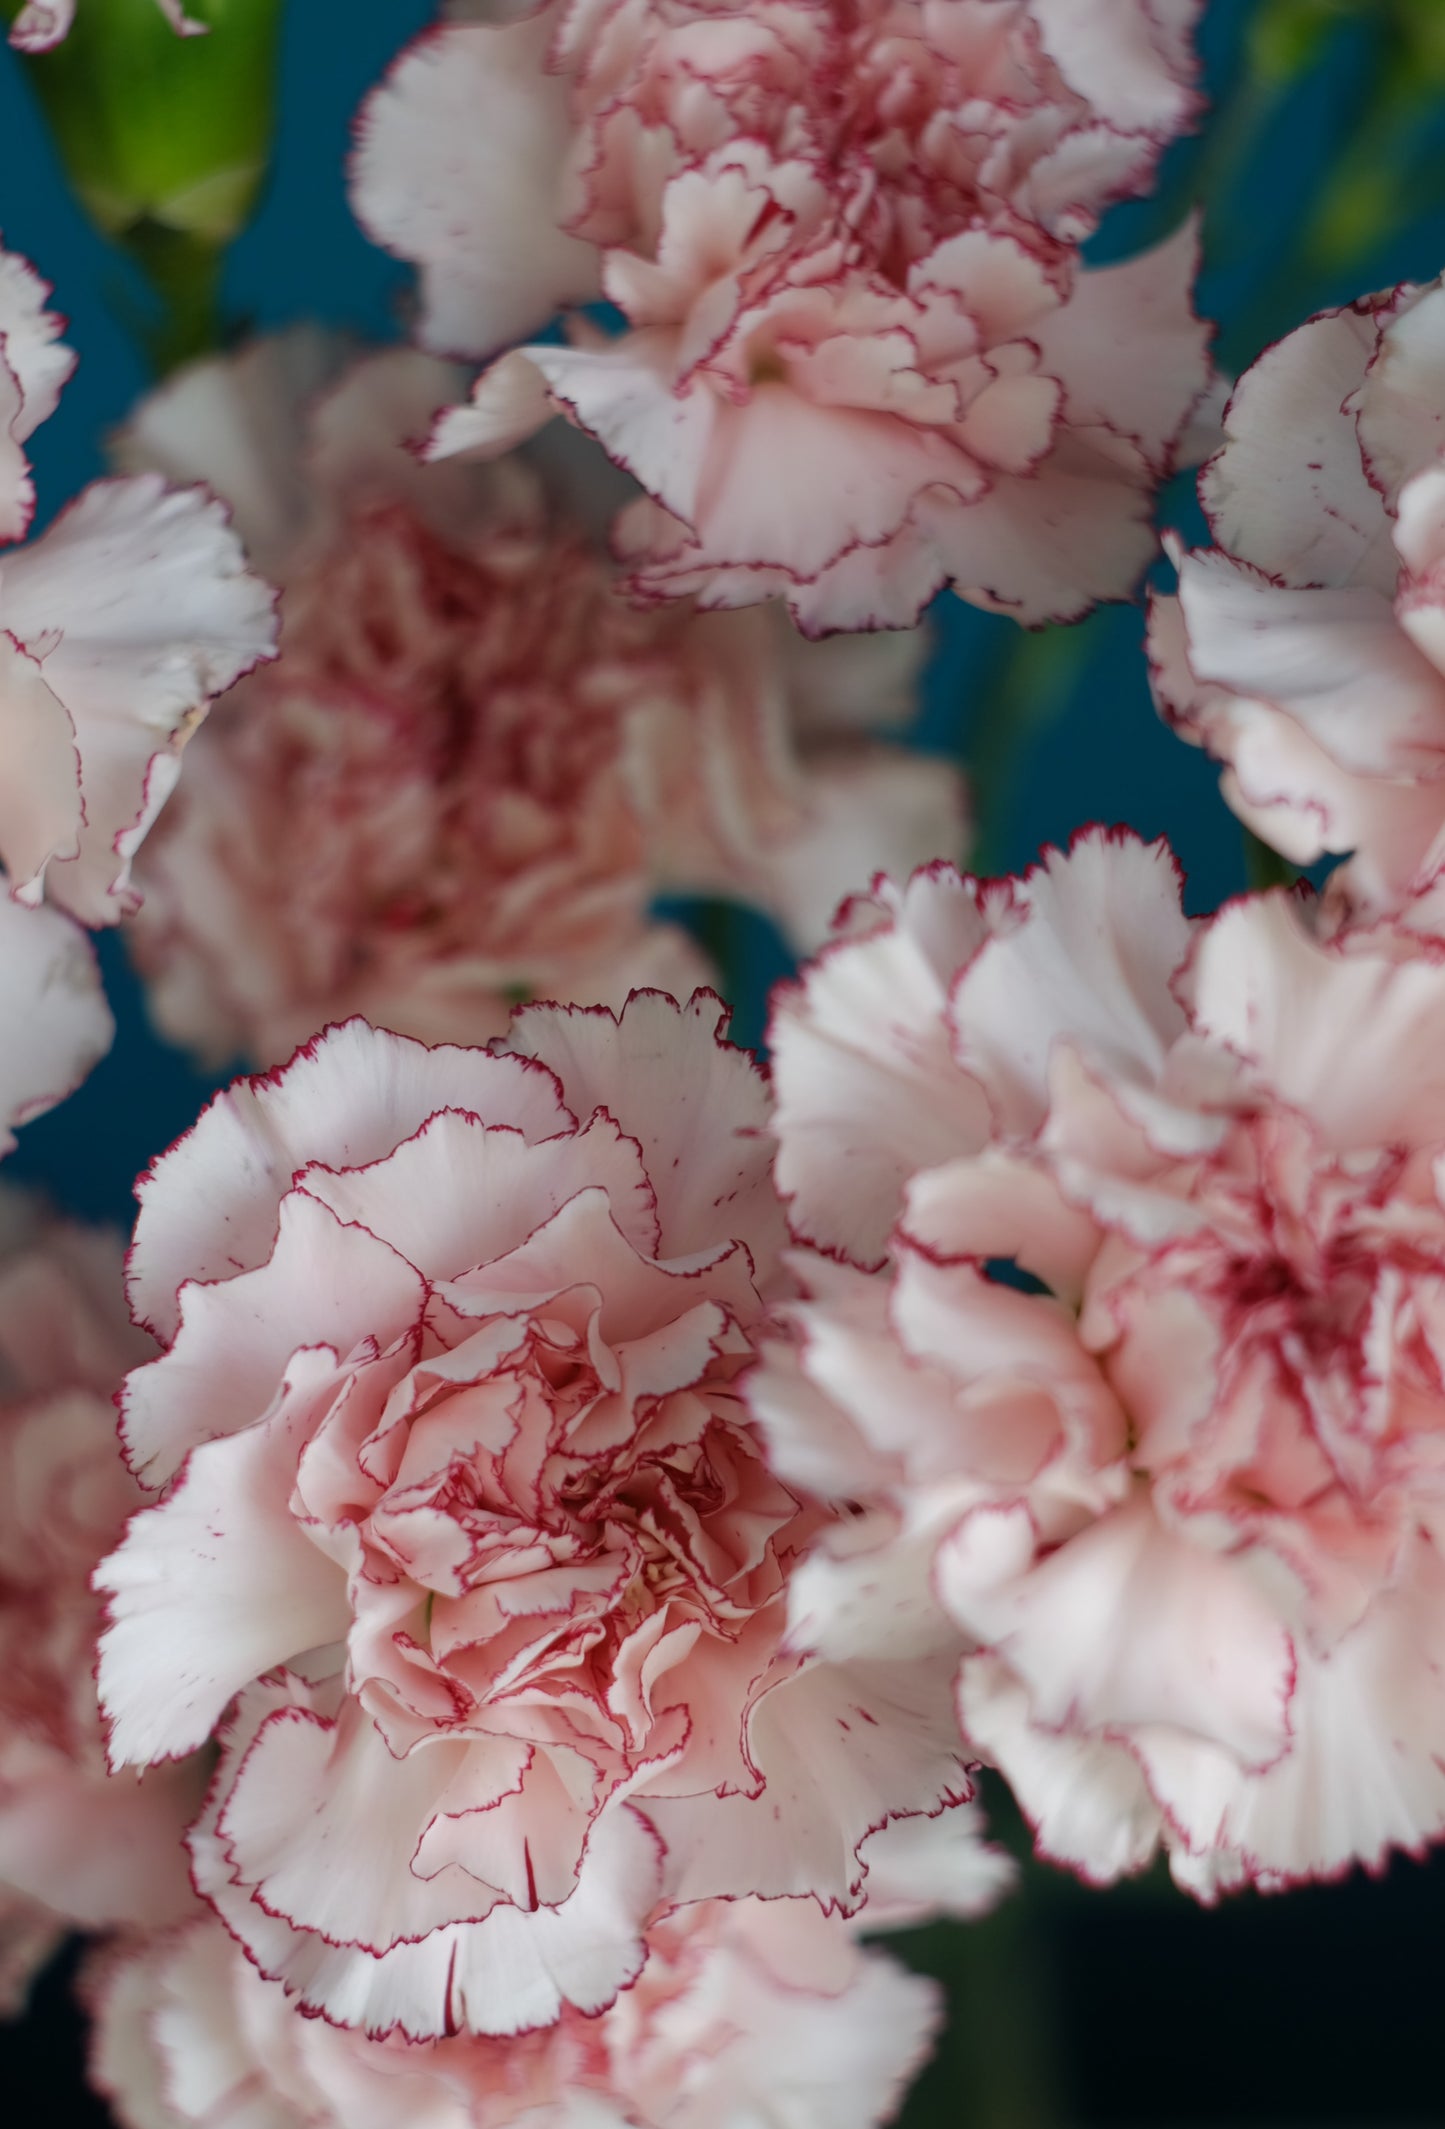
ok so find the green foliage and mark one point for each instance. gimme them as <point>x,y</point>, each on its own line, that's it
<point>165,140</point>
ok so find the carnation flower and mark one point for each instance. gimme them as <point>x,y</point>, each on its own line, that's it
<point>473,764</point>
<point>746,2012</point>
<point>1180,1499</point>
<point>78,1847</point>
<point>117,626</point>
<point>468,1545</point>
<point>42,24</point>
<point>1306,650</point>
<point>860,357</point>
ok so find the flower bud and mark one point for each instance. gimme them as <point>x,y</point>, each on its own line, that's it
<point>155,128</point>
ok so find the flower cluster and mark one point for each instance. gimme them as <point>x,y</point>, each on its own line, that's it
<point>861,357</point>
<point>585,1499</point>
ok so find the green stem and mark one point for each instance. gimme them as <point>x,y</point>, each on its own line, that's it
<point>1265,868</point>
<point>184,274</point>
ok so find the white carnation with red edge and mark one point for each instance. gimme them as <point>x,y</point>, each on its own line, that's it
<point>1182,1502</point>
<point>1306,649</point>
<point>117,628</point>
<point>468,1545</point>
<point>860,356</point>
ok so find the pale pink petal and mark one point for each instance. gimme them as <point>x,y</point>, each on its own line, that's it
<point>166,1676</point>
<point>695,1105</point>
<point>209,1206</point>
<point>1131,60</point>
<point>1129,350</point>
<point>867,1088</point>
<point>40,802</point>
<point>326,1283</point>
<point>1090,966</point>
<point>30,346</point>
<point>1335,659</point>
<point>509,403</point>
<point>238,424</point>
<point>1084,1797</point>
<point>468,115</point>
<point>868,810</point>
<point>1401,414</point>
<point>139,606</point>
<point>1277,997</point>
<point>1292,409</point>
<point>58,1024</point>
<point>880,1739</point>
<point>1364,1772</point>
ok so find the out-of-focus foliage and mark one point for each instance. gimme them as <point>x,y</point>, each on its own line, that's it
<point>165,139</point>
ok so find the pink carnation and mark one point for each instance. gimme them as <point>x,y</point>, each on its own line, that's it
<point>1179,1510</point>
<point>473,765</point>
<point>42,24</point>
<point>469,1547</point>
<point>78,1847</point>
<point>746,2012</point>
<point>1306,650</point>
<point>117,627</point>
<point>861,358</point>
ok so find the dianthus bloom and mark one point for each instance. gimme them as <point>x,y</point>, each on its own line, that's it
<point>860,355</point>
<point>469,1544</point>
<point>747,2011</point>
<point>42,24</point>
<point>1307,649</point>
<point>1182,1501</point>
<point>473,765</point>
<point>78,1847</point>
<point>117,627</point>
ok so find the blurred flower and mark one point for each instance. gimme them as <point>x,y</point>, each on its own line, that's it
<point>117,626</point>
<point>861,359</point>
<point>78,1847</point>
<point>1182,1502</point>
<point>747,2012</point>
<point>473,765</point>
<point>468,1542</point>
<point>1307,650</point>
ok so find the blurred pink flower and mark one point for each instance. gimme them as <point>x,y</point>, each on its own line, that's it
<point>1179,1508</point>
<point>78,1847</point>
<point>474,765</point>
<point>747,2011</point>
<point>117,627</point>
<point>42,24</point>
<point>860,357</point>
<point>467,1528</point>
<point>1306,650</point>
